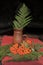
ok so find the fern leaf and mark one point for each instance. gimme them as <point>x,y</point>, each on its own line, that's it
<point>22,18</point>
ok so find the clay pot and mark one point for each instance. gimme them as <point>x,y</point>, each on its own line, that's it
<point>18,37</point>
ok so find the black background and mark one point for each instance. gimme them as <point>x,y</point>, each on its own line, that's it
<point>7,12</point>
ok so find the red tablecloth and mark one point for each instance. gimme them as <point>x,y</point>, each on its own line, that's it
<point>25,63</point>
<point>9,40</point>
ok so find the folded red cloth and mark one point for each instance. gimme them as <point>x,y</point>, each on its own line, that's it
<point>9,40</point>
<point>25,63</point>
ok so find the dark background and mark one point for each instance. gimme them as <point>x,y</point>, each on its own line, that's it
<point>7,12</point>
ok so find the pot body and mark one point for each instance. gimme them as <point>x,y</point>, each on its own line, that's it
<point>17,36</point>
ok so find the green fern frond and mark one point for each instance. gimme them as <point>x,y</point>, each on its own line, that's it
<point>22,18</point>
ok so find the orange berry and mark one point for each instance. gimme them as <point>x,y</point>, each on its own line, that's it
<point>15,45</point>
<point>13,50</point>
<point>28,41</point>
<point>27,51</point>
<point>20,51</point>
